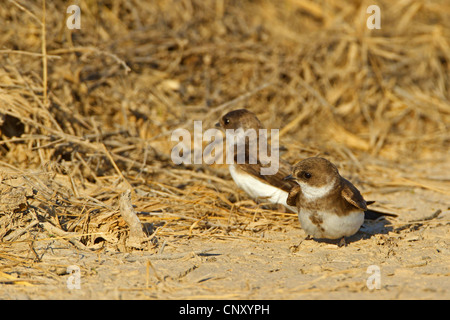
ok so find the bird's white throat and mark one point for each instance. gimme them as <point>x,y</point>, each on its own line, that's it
<point>313,193</point>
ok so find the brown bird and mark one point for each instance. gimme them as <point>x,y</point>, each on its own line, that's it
<point>247,175</point>
<point>329,206</point>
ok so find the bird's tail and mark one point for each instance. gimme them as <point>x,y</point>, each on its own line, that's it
<point>370,214</point>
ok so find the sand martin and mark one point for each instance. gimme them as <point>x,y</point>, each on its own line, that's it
<point>329,206</point>
<point>248,176</point>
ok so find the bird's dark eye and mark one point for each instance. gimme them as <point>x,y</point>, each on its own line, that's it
<point>226,121</point>
<point>307,175</point>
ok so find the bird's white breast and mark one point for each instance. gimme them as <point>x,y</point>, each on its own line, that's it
<point>258,189</point>
<point>332,226</point>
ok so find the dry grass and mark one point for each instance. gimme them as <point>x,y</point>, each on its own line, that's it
<point>88,113</point>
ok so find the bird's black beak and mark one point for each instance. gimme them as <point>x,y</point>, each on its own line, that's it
<point>289,177</point>
<point>217,125</point>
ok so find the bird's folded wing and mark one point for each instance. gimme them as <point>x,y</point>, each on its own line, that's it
<point>352,195</point>
<point>293,194</point>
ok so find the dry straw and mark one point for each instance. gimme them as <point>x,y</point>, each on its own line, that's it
<point>87,114</point>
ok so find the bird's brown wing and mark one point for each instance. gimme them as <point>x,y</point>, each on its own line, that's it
<point>276,180</point>
<point>352,195</point>
<point>293,194</point>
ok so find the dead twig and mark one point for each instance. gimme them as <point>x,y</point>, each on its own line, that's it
<point>136,237</point>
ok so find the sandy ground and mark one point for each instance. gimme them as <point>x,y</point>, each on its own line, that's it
<point>408,260</point>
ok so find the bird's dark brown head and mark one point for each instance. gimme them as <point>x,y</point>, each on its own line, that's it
<point>241,118</point>
<point>315,172</point>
